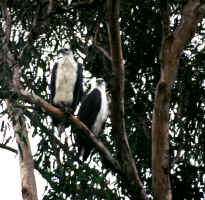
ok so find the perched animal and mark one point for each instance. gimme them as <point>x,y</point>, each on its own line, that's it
<point>93,113</point>
<point>66,83</point>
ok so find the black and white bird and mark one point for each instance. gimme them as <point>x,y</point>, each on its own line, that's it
<point>66,83</point>
<point>93,113</point>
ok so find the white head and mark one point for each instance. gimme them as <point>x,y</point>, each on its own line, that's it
<point>66,52</point>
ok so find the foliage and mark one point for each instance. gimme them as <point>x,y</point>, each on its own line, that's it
<point>84,30</point>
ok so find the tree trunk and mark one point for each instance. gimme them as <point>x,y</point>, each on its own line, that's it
<point>172,46</point>
<point>29,190</point>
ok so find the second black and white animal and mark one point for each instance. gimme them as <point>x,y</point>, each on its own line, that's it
<point>93,113</point>
<point>66,83</point>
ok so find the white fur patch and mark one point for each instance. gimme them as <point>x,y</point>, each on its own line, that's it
<point>103,113</point>
<point>66,77</point>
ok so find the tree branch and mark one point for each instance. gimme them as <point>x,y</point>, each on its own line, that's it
<point>3,146</point>
<point>82,3</point>
<point>56,142</point>
<point>7,20</point>
<point>130,174</point>
<point>85,3</point>
<point>186,30</point>
<point>104,52</point>
<point>164,9</point>
<point>176,41</point>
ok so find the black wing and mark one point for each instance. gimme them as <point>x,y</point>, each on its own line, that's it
<point>78,90</point>
<point>53,83</point>
<point>53,90</point>
<point>87,114</point>
<point>90,108</point>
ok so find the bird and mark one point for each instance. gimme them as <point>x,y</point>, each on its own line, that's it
<point>93,112</point>
<point>66,89</point>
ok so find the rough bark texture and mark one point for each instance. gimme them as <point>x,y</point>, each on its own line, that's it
<point>130,174</point>
<point>172,46</point>
<point>28,182</point>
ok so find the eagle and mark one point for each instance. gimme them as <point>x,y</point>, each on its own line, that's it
<point>93,112</point>
<point>66,84</point>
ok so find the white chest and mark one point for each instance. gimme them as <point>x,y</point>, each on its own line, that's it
<point>102,115</point>
<point>66,76</point>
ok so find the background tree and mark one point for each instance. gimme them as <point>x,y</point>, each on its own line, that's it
<point>167,164</point>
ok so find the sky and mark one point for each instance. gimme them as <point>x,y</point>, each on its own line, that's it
<point>10,179</point>
<point>10,182</point>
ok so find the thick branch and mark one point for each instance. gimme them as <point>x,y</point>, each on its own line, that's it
<point>186,30</point>
<point>164,8</point>
<point>117,93</point>
<point>175,42</point>
<point>130,174</point>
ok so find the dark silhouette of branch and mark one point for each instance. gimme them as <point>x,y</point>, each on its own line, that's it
<point>3,146</point>
<point>82,3</point>
<point>56,145</point>
<point>104,52</point>
<point>145,127</point>
<point>164,9</point>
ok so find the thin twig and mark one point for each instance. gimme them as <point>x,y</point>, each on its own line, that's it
<point>3,146</point>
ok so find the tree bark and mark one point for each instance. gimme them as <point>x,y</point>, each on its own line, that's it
<point>172,46</point>
<point>28,182</point>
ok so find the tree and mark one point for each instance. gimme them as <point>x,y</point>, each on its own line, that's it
<point>149,154</point>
